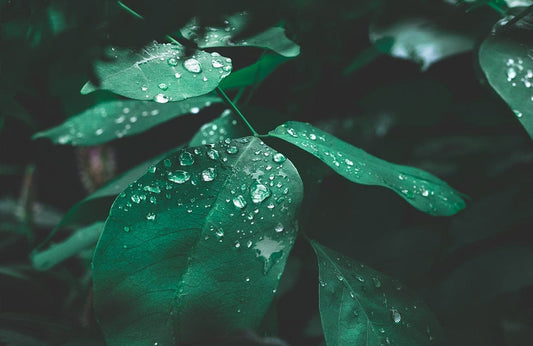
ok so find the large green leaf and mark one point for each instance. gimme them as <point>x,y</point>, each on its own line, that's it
<point>361,306</point>
<point>272,38</point>
<point>254,73</point>
<point>197,245</point>
<point>422,39</point>
<point>160,72</point>
<point>421,189</point>
<point>505,58</point>
<point>107,121</point>
<point>227,125</point>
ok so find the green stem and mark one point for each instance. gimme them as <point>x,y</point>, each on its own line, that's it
<point>218,89</point>
<point>497,8</point>
<point>236,110</point>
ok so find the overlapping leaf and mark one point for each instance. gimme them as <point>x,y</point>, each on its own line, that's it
<point>160,72</point>
<point>361,306</point>
<point>196,247</point>
<point>272,38</point>
<point>421,189</point>
<point>505,58</point>
<point>107,121</point>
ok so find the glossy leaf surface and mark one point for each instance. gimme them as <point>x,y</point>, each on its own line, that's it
<point>195,248</point>
<point>121,118</point>
<point>421,189</point>
<point>272,38</point>
<point>505,58</point>
<point>160,72</point>
<point>361,306</point>
<point>225,126</point>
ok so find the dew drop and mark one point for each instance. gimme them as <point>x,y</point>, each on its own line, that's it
<point>192,65</point>
<point>237,244</point>
<point>278,157</point>
<point>161,98</point>
<point>150,216</point>
<point>126,229</point>
<point>172,61</point>
<point>232,150</point>
<point>217,64</point>
<point>194,110</point>
<point>239,201</point>
<point>136,198</point>
<point>186,158</point>
<point>179,177</point>
<point>163,86</point>
<point>279,227</point>
<point>209,174</point>
<point>259,192</point>
<point>177,75</point>
<point>396,316</point>
<point>213,154</point>
<point>292,132</point>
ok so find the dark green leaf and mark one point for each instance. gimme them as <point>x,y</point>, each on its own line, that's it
<point>272,38</point>
<point>160,72</point>
<point>15,338</point>
<point>505,58</point>
<point>196,247</point>
<point>227,125</point>
<point>420,39</point>
<point>107,121</point>
<point>361,306</point>
<point>80,240</point>
<point>421,189</point>
<point>255,73</point>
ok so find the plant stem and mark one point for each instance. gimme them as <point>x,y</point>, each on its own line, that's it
<point>236,110</point>
<point>497,8</point>
<point>218,89</point>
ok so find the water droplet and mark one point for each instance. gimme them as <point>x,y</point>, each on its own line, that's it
<point>377,282</point>
<point>186,158</point>
<point>163,86</point>
<point>194,110</point>
<point>348,162</point>
<point>172,61</point>
<point>209,174</point>
<point>150,216</point>
<point>425,193</point>
<point>292,132</point>
<point>99,132</point>
<point>278,157</point>
<point>161,98</point>
<point>259,192</point>
<point>232,150</point>
<point>179,177</point>
<point>192,65</point>
<point>213,154</point>
<point>239,201</point>
<point>154,189</point>
<point>217,64</point>
<point>177,75</point>
<point>144,88</point>
<point>237,244</point>
<point>126,229</point>
<point>396,316</point>
<point>136,198</point>
<point>279,227</point>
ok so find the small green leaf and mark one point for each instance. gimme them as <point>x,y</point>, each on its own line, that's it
<point>255,73</point>
<point>421,189</point>
<point>196,246</point>
<point>505,58</point>
<point>107,121</point>
<point>80,240</point>
<point>361,306</point>
<point>227,125</point>
<point>420,39</point>
<point>160,72</point>
<point>272,38</point>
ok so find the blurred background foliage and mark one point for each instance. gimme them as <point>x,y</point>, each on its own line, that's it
<point>399,79</point>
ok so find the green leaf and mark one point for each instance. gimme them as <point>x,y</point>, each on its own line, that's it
<point>255,73</point>
<point>518,3</point>
<point>196,246</point>
<point>160,72</point>
<point>227,125</point>
<point>107,121</point>
<point>505,58</point>
<point>421,189</point>
<point>272,38</point>
<point>361,306</point>
<point>424,40</point>
<point>81,239</point>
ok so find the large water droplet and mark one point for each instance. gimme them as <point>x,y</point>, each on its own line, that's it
<point>179,177</point>
<point>186,158</point>
<point>213,154</point>
<point>239,201</point>
<point>259,192</point>
<point>396,316</point>
<point>278,157</point>
<point>192,65</point>
<point>161,98</point>
<point>209,174</point>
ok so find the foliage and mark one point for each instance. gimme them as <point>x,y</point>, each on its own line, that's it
<point>259,218</point>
